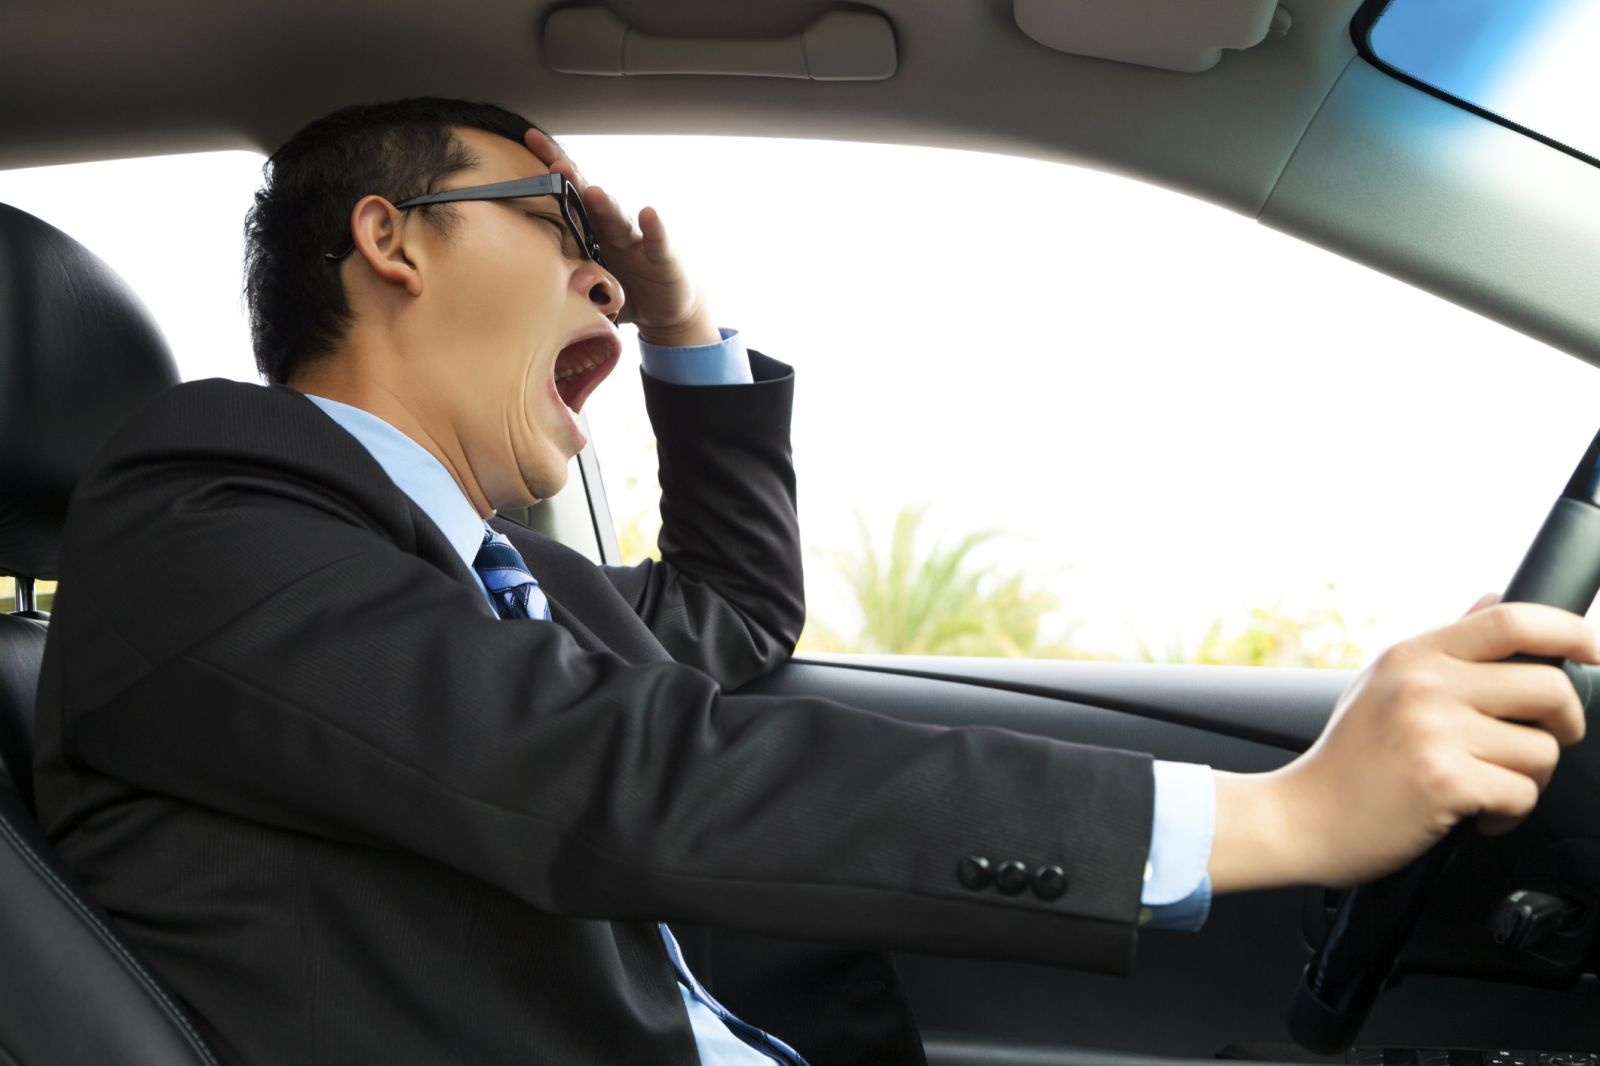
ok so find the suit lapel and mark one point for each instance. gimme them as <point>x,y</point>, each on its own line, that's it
<point>562,573</point>
<point>598,618</point>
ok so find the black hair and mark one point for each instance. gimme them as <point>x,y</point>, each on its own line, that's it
<point>293,290</point>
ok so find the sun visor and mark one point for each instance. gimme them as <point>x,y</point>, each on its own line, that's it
<point>1183,35</point>
<point>839,46</point>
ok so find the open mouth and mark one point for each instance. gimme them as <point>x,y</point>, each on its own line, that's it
<point>581,366</point>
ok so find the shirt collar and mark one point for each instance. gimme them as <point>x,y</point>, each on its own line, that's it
<point>416,472</point>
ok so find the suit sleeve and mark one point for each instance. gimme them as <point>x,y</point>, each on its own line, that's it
<point>320,679</point>
<point>728,595</point>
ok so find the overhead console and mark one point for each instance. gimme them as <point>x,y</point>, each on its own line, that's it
<point>1182,35</point>
<point>853,45</point>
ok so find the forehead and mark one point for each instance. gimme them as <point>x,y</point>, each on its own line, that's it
<point>499,159</point>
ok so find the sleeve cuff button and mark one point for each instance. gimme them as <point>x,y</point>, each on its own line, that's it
<point>1011,878</point>
<point>1049,882</point>
<point>975,872</point>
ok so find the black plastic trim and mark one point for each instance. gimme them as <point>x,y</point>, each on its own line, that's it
<point>594,492</point>
<point>961,1049</point>
<point>1203,697</point>
<point>1361,33</point>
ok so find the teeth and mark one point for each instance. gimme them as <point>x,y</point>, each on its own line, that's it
<point>572,371</point>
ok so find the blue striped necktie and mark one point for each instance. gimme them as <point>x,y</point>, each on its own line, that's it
<point>512,588</point>
<point>517,595</point>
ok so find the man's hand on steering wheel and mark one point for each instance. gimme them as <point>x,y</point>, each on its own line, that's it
<point>1435,731</point>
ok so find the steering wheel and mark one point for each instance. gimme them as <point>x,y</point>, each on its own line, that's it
<point>1343,979</point>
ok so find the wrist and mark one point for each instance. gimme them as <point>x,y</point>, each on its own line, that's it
<point>697,330</point>
<point>1258,838</point>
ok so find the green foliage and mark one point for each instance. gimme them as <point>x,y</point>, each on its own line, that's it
<point>935,601</point>
<point>638,527</point>
<point>938,600</point>
<point>44,593</point>
<point>636,536</point>
<point>1271,636</point>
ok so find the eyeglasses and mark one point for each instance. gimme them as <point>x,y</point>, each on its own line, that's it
<point>572,209</point>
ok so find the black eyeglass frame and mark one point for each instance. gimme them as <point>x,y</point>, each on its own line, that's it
<point>538,185</point>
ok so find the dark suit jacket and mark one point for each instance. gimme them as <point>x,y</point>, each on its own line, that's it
<point>351,817</point>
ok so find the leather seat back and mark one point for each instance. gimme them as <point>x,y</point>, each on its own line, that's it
<point>21,650</point>
<point>72,993</point>
<point>78,354</point>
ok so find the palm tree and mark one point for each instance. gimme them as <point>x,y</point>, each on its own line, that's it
<point>938,602</point>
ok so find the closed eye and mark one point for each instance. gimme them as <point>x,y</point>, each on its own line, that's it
<point>560,226</point>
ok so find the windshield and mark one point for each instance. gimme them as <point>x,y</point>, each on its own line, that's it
<point>1528,63</point>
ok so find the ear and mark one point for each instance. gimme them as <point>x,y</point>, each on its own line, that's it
<point>378,236</point>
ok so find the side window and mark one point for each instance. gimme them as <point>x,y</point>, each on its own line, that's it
<point>1042,410</point>
<point>180,253</point>
<point>1046,411</point>
<point>172,227</point>
<point>44,593</point>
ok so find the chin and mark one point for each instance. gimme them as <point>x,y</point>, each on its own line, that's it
<point>528,487</point>
<point>541,462</point>
<point>546,487</point>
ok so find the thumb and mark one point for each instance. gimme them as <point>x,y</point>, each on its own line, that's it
<point>1488,599</point>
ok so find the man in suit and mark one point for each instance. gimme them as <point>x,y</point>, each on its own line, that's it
<point>373,776</point>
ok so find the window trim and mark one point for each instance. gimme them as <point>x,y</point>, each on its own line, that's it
<point>1361,34</point>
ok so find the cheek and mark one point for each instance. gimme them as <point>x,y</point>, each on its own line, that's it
<point>506,293</point>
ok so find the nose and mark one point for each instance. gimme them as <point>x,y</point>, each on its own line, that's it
<point>601,287</point>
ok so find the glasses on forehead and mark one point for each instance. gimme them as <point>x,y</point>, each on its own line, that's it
<point>573,213</point>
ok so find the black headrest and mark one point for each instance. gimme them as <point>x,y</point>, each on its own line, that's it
<point>78,354</point>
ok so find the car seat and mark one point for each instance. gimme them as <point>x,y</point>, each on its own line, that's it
<point>78,354</point>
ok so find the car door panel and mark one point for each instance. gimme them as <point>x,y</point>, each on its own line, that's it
<point>1192,994</point>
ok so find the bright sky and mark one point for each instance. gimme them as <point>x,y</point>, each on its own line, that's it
<point>1531,62</point>
<point>1178,412</point>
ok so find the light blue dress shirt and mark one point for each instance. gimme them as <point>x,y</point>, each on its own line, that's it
<point>725,363</point>
<point>424,479</point>
<point>1177,891</point>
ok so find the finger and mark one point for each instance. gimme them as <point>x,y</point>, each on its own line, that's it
<point>545,147</point>
<point>1488,599</point>
<point>654,231</point>
<point>1507,629</point>
<point>567,169</point>
<point>1504,798</point>
<point>1523,692</point>
<point>1522,749</point>
<point>608,217</point>
<point>553,156</point>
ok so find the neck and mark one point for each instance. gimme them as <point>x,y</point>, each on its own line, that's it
<point>348,375</point>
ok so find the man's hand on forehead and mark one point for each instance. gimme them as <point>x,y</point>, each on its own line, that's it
<point>662,300</point>
<point>612,224</point>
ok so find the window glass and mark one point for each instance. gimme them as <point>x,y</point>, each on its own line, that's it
<point>1131,424</point>
<point>173,228</point>
<point>1148,427</point>
<point>44,594</point>
<point>1530,62</point>
<point>180,253</point>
